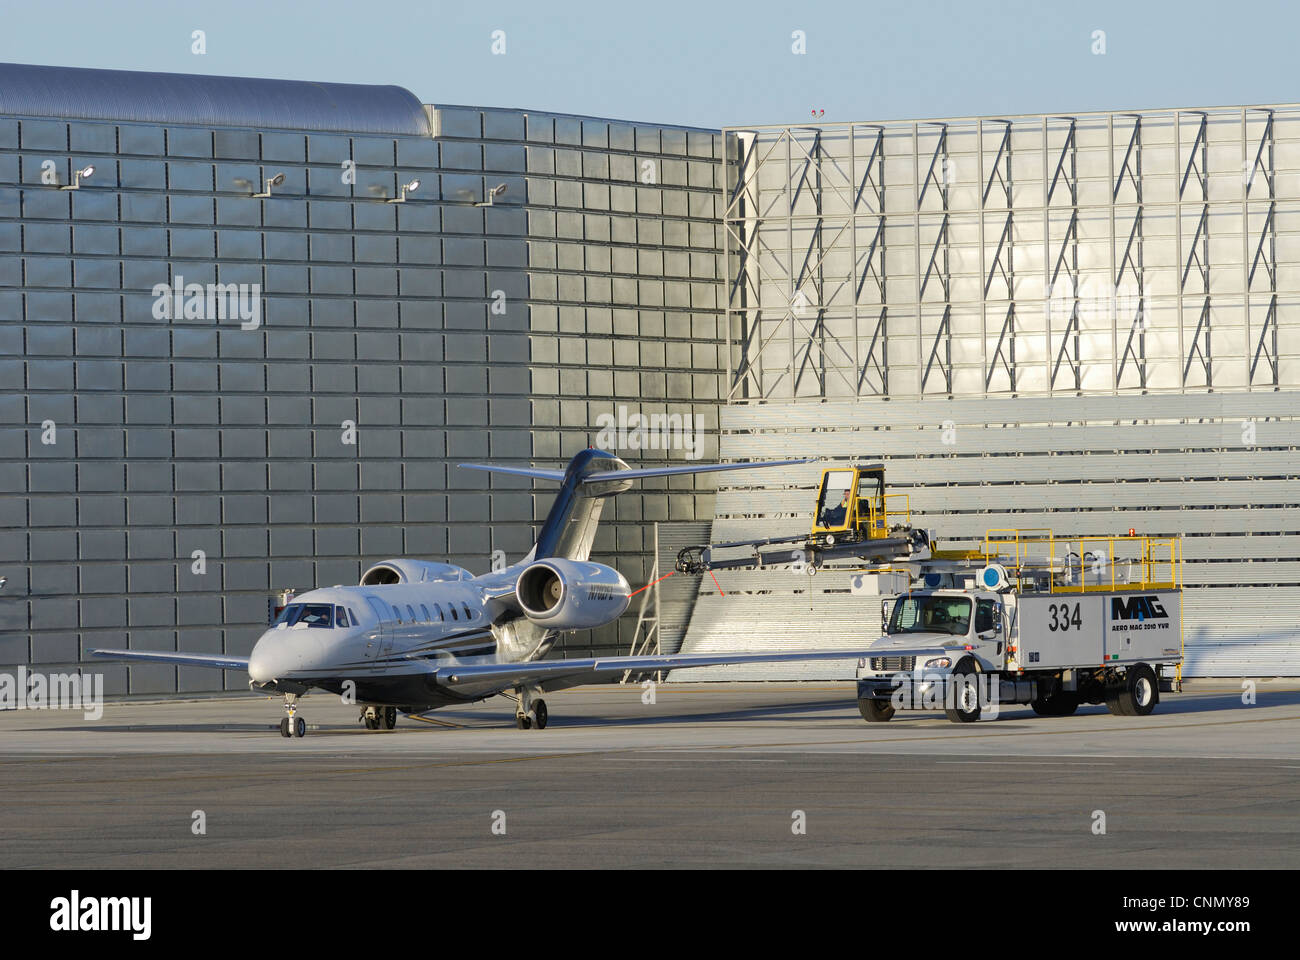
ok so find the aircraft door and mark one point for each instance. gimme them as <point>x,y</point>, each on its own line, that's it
<point>382,642</point>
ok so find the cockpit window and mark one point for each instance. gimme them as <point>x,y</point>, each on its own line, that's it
<point>341,617</point>
<point>316,615</point>
<point>312,614</point>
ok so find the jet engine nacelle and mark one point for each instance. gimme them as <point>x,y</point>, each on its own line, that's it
<point>571,594</point>
<point>413,571</point>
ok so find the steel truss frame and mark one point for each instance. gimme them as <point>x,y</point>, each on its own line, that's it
<point>818,295</point>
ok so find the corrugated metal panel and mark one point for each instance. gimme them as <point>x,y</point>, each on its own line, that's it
<point>141,97</point>
<point>909,412</point>
<point>967,440</point>
<point>1220,493</point>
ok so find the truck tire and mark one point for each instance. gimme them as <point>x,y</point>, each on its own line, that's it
<point>1137,693</point>
<point>875,711</point>
<point>1115,701</point>
<point>964,688</point>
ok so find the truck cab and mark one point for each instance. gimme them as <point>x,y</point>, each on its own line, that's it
<point>927,637</point>
<point>963,622</point>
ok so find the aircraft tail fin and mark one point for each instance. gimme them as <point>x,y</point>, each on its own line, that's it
<point>591,477</point>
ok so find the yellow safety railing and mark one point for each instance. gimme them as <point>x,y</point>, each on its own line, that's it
<point>879,521</point>
<point>1085,564</point>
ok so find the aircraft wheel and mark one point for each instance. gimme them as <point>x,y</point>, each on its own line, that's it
<point>299,727</point>
<point>371,721</point>
<point>284,727</point>
<point>522,721</point>
<point>539,710</point>
<point>390,717</point>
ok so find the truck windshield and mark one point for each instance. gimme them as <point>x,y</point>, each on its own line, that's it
<point>930,615</point>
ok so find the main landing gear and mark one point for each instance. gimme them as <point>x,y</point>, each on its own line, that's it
<point>379,718</point>
<point>292,725</point>
<point>531,709</point>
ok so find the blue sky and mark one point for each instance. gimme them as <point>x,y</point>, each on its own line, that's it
<point>705,63</point>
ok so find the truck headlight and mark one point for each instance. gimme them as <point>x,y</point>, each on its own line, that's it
<point>938,662</point>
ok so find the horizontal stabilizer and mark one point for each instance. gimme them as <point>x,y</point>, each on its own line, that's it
<point>540,474</point>
<point>673,471</point>
<point>605,475</point>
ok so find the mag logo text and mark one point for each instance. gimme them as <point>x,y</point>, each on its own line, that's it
<point>1138,613</point>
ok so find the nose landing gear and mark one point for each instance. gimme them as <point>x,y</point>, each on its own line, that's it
<point>292,725</point>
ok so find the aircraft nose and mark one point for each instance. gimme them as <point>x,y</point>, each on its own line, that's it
<point>263,663</point>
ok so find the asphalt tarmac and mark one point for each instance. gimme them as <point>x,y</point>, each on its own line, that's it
<point>708,775</point>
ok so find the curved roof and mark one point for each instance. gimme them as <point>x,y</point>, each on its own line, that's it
<point>128,95</point>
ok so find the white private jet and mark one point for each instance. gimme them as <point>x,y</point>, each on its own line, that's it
<point>416,635</point>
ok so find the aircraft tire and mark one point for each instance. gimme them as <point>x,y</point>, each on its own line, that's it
<point>539,710</point>
<point>284,727</point>
<point>522,721</point>
<point>299,727</point>
<point>389,718</point>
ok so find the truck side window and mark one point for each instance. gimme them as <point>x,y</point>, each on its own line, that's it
<point>984,616</point>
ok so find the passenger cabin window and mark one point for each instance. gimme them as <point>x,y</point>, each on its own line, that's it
<point>452,608</point>
<point>438,607</point>
<point>411,610</point>
<point>468,614</point>
<point>425,610</point>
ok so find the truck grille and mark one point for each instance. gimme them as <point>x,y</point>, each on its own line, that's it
<point>893,663</point>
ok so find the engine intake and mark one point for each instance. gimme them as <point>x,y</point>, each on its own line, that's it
<point>413,571</point>
<point>571,594</point>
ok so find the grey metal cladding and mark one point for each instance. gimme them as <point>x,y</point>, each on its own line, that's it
<point>412,319</point>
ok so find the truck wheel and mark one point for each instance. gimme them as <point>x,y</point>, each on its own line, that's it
<point>875,711</point>
<point>1139,692</point>
<point>964,691</point>
<point>1116,702</point>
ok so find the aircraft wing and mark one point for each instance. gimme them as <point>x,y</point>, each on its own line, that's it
<point>214,660</point>
<point>554,674</point>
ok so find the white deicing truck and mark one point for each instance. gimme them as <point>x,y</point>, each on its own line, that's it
<point>1045,621</point>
